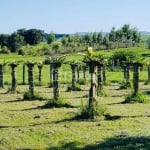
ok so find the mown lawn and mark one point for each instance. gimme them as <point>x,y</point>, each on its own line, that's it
<point>25,125</point>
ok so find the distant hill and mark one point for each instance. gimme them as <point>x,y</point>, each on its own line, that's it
<point>57,35</point>
<point>144,32</point>
<point>84,33</point>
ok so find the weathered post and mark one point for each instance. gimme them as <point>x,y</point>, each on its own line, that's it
<point>13,75</point>
<point>104,74</point>
<point>92,91</point>
<point>73,68</point>
<point>40,66</point>
<point>23,74</point>
<point>51,75</point>
<point>136,77</point>
<point>84,72</point>
<point>1,76</point>
<point>56,66</point>
<point>148,74</point>
<point>99,79</point>
<point>30,78</point>
<point>78,73</point>
<point>127,72</point>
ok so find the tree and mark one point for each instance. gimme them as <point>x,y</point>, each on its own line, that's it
<point>94,37</point>
<point>148,43</point>
<point>136,36</point>
<point>34,36</point>
<point>106,41</point>
<point>21,32</point>
<point>92,61</point>
<point>64,41</point>
<point>127,35</point>
<point>100,38</point>
<point>56,63</point>
<point>56,46</point>
<point>4,40</point>
<point>112,35</point>
<point>119,37</point>
<point>15,42</point>
<point>51,38</point>
<point>88,39</point>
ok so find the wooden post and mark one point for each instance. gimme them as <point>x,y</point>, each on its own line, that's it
<point>104,74</point>
<point>51,74</point>
<point>92,91</point>
<point>13,75</point>
<point>73,68</point>
<point>30,78</point>
<point>40,73</point>
<point>23,74</point>
<point>127,73</point>
<point>1,76</point>
<point>84,73</point>
<point>136,77</point>
<point>78,73</point>
<point>99,79</point>
<point>55,80</point>
<point>148,74</point>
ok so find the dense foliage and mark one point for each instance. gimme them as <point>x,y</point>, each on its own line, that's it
<point>29,41</point>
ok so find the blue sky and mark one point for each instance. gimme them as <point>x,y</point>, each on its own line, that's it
<point>70,16</point>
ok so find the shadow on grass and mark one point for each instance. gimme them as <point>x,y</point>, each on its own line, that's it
<point>45,107</point>
<point>115,103</point>
<point>147,92</point>
<point>65,146</point>
<point>116,117</point>
<point>122,143</point>
<point>106,117</point>
<point>79,117</point>
<point>14,101</point>
<point>114,143</point>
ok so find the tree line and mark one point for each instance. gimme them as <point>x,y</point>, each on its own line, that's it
<point>126,36</point>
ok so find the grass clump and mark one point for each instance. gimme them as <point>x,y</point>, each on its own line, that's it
<point>50,85</point>
<point>60,102</point>
<point>10,91</point>
<point>76,88</point>
<point>82,82</point>
<point>102,93</point>
<point>87,112</point>
<point>28,96</point>
<point>125,85</point>
<point>139,97</point>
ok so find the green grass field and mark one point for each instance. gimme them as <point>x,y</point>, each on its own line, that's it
<point>25,125</point>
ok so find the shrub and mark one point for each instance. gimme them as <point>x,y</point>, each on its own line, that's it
<point>102,93</point>
<point>125,85</point>
<point>81,82</point>
<point>28,96</point>
<point>89,113</point>
<point>60,102</point>
<point>76,88</point>
<point>50,84</point>
<point>139,97</point>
